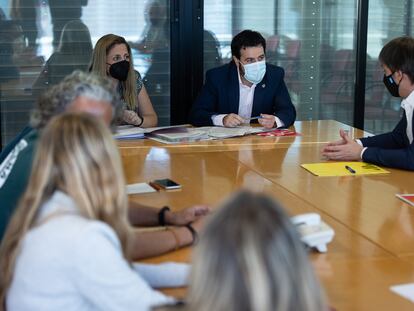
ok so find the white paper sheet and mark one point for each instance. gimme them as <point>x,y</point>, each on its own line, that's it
<point>404,290</point>
<point>139,188</point>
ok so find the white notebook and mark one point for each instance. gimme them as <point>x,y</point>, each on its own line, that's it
<point>404,290</point>
<point>141,187</point>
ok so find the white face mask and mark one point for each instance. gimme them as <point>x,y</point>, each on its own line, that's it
<point>255,72</point>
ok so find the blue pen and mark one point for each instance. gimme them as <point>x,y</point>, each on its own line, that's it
<point>255,118</point>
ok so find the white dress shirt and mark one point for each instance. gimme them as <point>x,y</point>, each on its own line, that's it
<point>246,97</point>
<point>408,105</point>
<point>68,262</point>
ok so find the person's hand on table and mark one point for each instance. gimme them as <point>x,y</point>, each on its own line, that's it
<point>267,120</point>
<point>345,149</point>
<point>187,215</point>
<point>131,117</point>
<point>342,141</point>
<point>232,120</point>
<point>192,231</point>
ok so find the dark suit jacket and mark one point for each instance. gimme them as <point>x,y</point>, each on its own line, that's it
<point>220,95</point>
<point>390,149</point>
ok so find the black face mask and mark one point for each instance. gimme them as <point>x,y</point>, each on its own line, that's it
<point>119,70</point>
<point>391,86</point>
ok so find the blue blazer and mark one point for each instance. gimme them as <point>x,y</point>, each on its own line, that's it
<point>220,95</point>
<point>391,149</point>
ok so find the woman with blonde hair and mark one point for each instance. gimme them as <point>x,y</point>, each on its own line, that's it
<point>67,245</point>
<point>250,258</point>
<point>112,57</point>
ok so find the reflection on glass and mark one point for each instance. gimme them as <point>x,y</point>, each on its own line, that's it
<point>212,56</point>
<point>153,47</point>
<point>17,61</point>
<point>382,111</point>
<point>74,52</point>
<point>30,44</point>
<point>62,12</point>
<point>11,34</point>
<point>25,13</point>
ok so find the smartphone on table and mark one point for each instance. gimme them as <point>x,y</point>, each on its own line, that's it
<point>165,183</point>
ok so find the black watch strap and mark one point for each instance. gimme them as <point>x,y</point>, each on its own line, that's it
<point>161,215</point>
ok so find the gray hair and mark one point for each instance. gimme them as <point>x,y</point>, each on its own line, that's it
<point>250,257</point>
<point>57,98</point>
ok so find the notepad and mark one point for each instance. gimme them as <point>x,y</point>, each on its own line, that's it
<point>404,290</point>
<point>139,188</point>
<point>343,169</point>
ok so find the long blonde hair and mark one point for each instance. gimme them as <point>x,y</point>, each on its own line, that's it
<point>98,65</point>
<point>76,154</point>
<point>250,258</point>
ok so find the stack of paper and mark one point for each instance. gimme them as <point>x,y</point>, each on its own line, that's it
<point>202,133</point>
<point>191,135</point>
<point>226,132</point>
<point>185,133</point>
<point>129,132</point>
<point>139,188</point>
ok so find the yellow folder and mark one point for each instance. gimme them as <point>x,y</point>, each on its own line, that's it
<point>343,168</point>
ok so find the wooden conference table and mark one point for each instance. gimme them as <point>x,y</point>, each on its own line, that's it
<point>373,248</point>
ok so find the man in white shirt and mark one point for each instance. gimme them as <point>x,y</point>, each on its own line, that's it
<point>393,149</point>
<point>244,90</point>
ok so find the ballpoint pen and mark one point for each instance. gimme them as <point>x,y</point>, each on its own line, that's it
<point>254,118</point>
<point>350,169</point>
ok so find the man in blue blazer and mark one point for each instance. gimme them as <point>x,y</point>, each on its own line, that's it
<point>396,148</point>
<point>245,89</point>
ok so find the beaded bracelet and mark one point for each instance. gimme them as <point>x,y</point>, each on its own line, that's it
<point>193,233</point>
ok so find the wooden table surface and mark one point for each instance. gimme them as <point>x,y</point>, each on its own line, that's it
<point>373,246</point>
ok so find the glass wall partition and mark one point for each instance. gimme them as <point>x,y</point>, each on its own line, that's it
<point>314,41</point>
<point>386,20</point>
<point>33,54</point>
